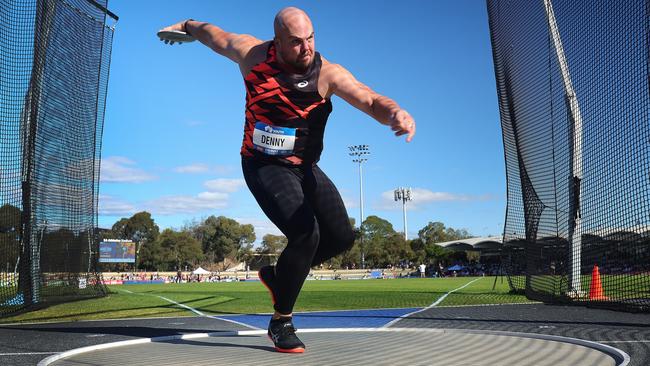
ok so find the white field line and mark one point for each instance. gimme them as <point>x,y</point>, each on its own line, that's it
<point>432,305</point>
<point>195,311</point>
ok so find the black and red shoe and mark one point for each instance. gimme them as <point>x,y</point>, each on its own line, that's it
<point>266,275</point>
<point>283,334</point>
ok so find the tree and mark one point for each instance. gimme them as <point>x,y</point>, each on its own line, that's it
<point>152,257</point>
<point>436,254</point>
<point>143,231</point>
<point>139,227</point>
<point>435,232</point>
<point>224,237</point>
<point>10,231</point>
<point>179,248</point>
<point>375,226</point>
<point>119,229</point>
<point>10,218</point>
<point>272,244</point>
<point>377,236</point>
<point>395,250</point>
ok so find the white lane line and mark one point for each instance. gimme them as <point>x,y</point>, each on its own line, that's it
<point>430,306</point>
<point>195,311</point>
<point>28,353</point>
<point>235,322</point>
<point>181,305</point>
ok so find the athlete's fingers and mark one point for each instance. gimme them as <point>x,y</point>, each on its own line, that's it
<point>411,132</point>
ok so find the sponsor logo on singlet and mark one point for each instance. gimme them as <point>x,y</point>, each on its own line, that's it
<point>274,140</point>
<point>302,84</point>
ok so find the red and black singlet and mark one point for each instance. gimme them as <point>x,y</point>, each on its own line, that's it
<point>285,114</point>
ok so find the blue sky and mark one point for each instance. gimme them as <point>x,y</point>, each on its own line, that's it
<point>175,114</point>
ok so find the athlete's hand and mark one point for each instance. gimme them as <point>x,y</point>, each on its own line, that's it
<point>402,123</point>
<point>180,26</point>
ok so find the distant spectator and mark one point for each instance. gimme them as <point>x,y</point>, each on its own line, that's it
<point>423,269</point>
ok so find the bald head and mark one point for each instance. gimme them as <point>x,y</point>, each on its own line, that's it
<point>294,38</point>
<point>290,18</point>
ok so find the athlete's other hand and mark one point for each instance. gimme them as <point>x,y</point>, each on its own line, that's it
<point>402,123</point>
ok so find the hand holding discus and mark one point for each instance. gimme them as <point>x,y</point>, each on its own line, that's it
<point>176,33</point>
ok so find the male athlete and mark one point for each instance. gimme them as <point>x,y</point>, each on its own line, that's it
<point>288,91</point>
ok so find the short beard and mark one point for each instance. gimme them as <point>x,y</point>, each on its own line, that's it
<point>302,67</point>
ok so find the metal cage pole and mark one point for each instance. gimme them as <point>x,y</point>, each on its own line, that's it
<point>575,224</point>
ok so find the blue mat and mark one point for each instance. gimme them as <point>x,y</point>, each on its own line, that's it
<point>329,319</point>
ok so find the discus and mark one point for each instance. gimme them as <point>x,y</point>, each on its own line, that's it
<point>171,37</point>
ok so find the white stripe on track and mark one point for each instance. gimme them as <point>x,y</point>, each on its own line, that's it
<point>28,353</point>
<point>432,305</point>
<point>195,311</point>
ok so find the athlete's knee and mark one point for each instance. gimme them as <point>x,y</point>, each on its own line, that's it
<point>305,239</point>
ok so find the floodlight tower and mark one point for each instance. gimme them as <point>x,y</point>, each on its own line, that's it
<point>404,195</point>
<point>359,154</point>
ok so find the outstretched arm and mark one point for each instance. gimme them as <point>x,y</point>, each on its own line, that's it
<point>231,45</point>
<point>379,107</point>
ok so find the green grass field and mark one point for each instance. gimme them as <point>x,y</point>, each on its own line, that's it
<point>620,287</point>
<point>131,301</point>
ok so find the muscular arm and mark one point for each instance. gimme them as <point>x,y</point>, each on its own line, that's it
<point>383,109</point>
<point>231,45</point>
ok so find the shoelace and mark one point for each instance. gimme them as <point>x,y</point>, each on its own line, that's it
<point>288,330</point>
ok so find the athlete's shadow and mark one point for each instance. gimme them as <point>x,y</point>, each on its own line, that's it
<point>219,344</point>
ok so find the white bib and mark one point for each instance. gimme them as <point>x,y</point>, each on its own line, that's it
<point>274,140</point>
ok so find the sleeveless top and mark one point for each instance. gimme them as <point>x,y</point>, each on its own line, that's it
<point>285,114</point>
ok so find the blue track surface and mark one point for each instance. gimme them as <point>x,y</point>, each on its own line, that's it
<point>329,319</point>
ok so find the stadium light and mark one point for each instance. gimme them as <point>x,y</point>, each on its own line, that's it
<point>359,154</point>
<point>404,195</point>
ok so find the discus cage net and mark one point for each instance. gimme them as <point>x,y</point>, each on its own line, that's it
<point>54,68</point>
<point>572,84</point>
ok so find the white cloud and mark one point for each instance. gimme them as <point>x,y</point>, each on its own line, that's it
<point>225,185</point>
<point>110,206</point>
<point>120,169</point>
<point>262,226</point>
<point>193,168</point>
<point>216,197</point>
<point>421,197</point>
<point>350,203</point>
<point>198,168</point>
<point>185,204</point>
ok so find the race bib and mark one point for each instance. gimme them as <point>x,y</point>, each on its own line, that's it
<point>273,140</point>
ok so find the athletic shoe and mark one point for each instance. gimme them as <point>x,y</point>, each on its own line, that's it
<point>283,335</point>
<point>266,275</point>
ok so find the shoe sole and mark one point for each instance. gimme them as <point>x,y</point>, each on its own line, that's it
<point>259,275</point>
<point>287,350</point>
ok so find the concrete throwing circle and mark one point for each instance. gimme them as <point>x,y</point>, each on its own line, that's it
<point>354,346</point>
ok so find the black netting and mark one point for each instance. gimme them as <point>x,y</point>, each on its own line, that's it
<point>572,81</point>
<point>54,63</point>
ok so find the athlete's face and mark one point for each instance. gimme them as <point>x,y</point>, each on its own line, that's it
<point>295,43</point>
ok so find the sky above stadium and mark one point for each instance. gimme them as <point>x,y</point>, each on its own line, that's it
<point>175,114</point>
